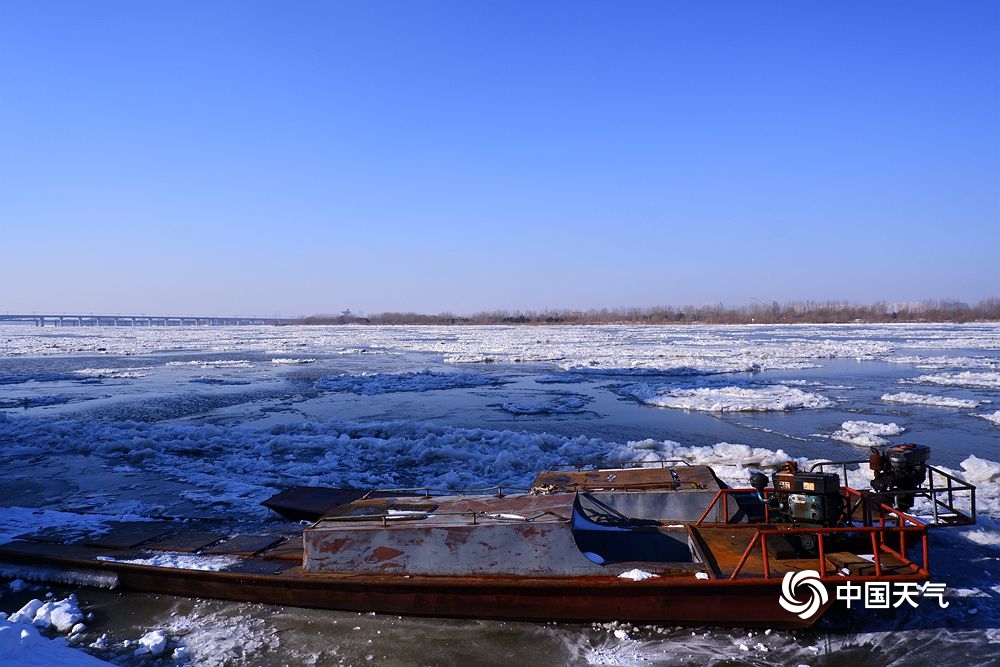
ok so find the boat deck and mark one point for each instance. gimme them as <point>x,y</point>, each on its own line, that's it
<point>724,546</point>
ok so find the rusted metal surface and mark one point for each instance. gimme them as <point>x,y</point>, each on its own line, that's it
<point>456,535</point>
<point>678,478</point>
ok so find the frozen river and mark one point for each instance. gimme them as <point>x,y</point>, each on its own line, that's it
<point>209,421</point>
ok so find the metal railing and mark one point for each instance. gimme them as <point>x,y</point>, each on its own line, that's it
<point>939,484</point>
<point>881,523</point>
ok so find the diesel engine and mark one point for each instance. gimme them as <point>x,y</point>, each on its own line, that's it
<point>899,471</point>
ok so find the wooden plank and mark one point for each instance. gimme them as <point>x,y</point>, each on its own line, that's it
<point>858,566</point>
<point>128,534</point>
<point>725,546</point>
<point>186,542</point>
<point>246,544</point>
<point>291,550</point>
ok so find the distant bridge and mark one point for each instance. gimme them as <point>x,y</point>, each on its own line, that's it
<point>70,320</point>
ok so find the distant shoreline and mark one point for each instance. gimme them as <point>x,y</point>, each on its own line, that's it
<point>933,311</point>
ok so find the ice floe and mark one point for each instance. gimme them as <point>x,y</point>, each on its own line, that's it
<point>866,434</point>
<point>945,361</point>
<point>929,399</point>
<point>983,380</point>
<point>220,363</point>
<point>728,399</point>
<point>153,642</point>
<point>122,373</point>
<point>992,417</point>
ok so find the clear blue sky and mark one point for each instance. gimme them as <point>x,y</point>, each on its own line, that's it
<point>237,157</point>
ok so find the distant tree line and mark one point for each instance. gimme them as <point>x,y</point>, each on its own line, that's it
<point>801,312</point>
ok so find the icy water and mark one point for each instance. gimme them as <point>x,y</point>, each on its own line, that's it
<point>210,421</point>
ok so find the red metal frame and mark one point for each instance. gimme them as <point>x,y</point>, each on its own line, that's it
<point>905,525</point>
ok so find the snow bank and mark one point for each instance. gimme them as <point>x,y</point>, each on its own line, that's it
<point>928,399</point>
<point>866,434</point>
<point>728,399</point>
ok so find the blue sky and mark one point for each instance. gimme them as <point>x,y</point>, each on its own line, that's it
<point>299,158</point>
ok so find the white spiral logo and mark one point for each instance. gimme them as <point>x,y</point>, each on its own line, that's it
<point>817,595</point>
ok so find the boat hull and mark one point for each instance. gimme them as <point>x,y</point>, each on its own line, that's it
<point>661,600</point>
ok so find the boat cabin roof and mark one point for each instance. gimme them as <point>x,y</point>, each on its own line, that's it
<point>449,510</point>
<point>677,478</point>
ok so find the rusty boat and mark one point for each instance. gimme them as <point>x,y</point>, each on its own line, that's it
<point>665,543</point>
